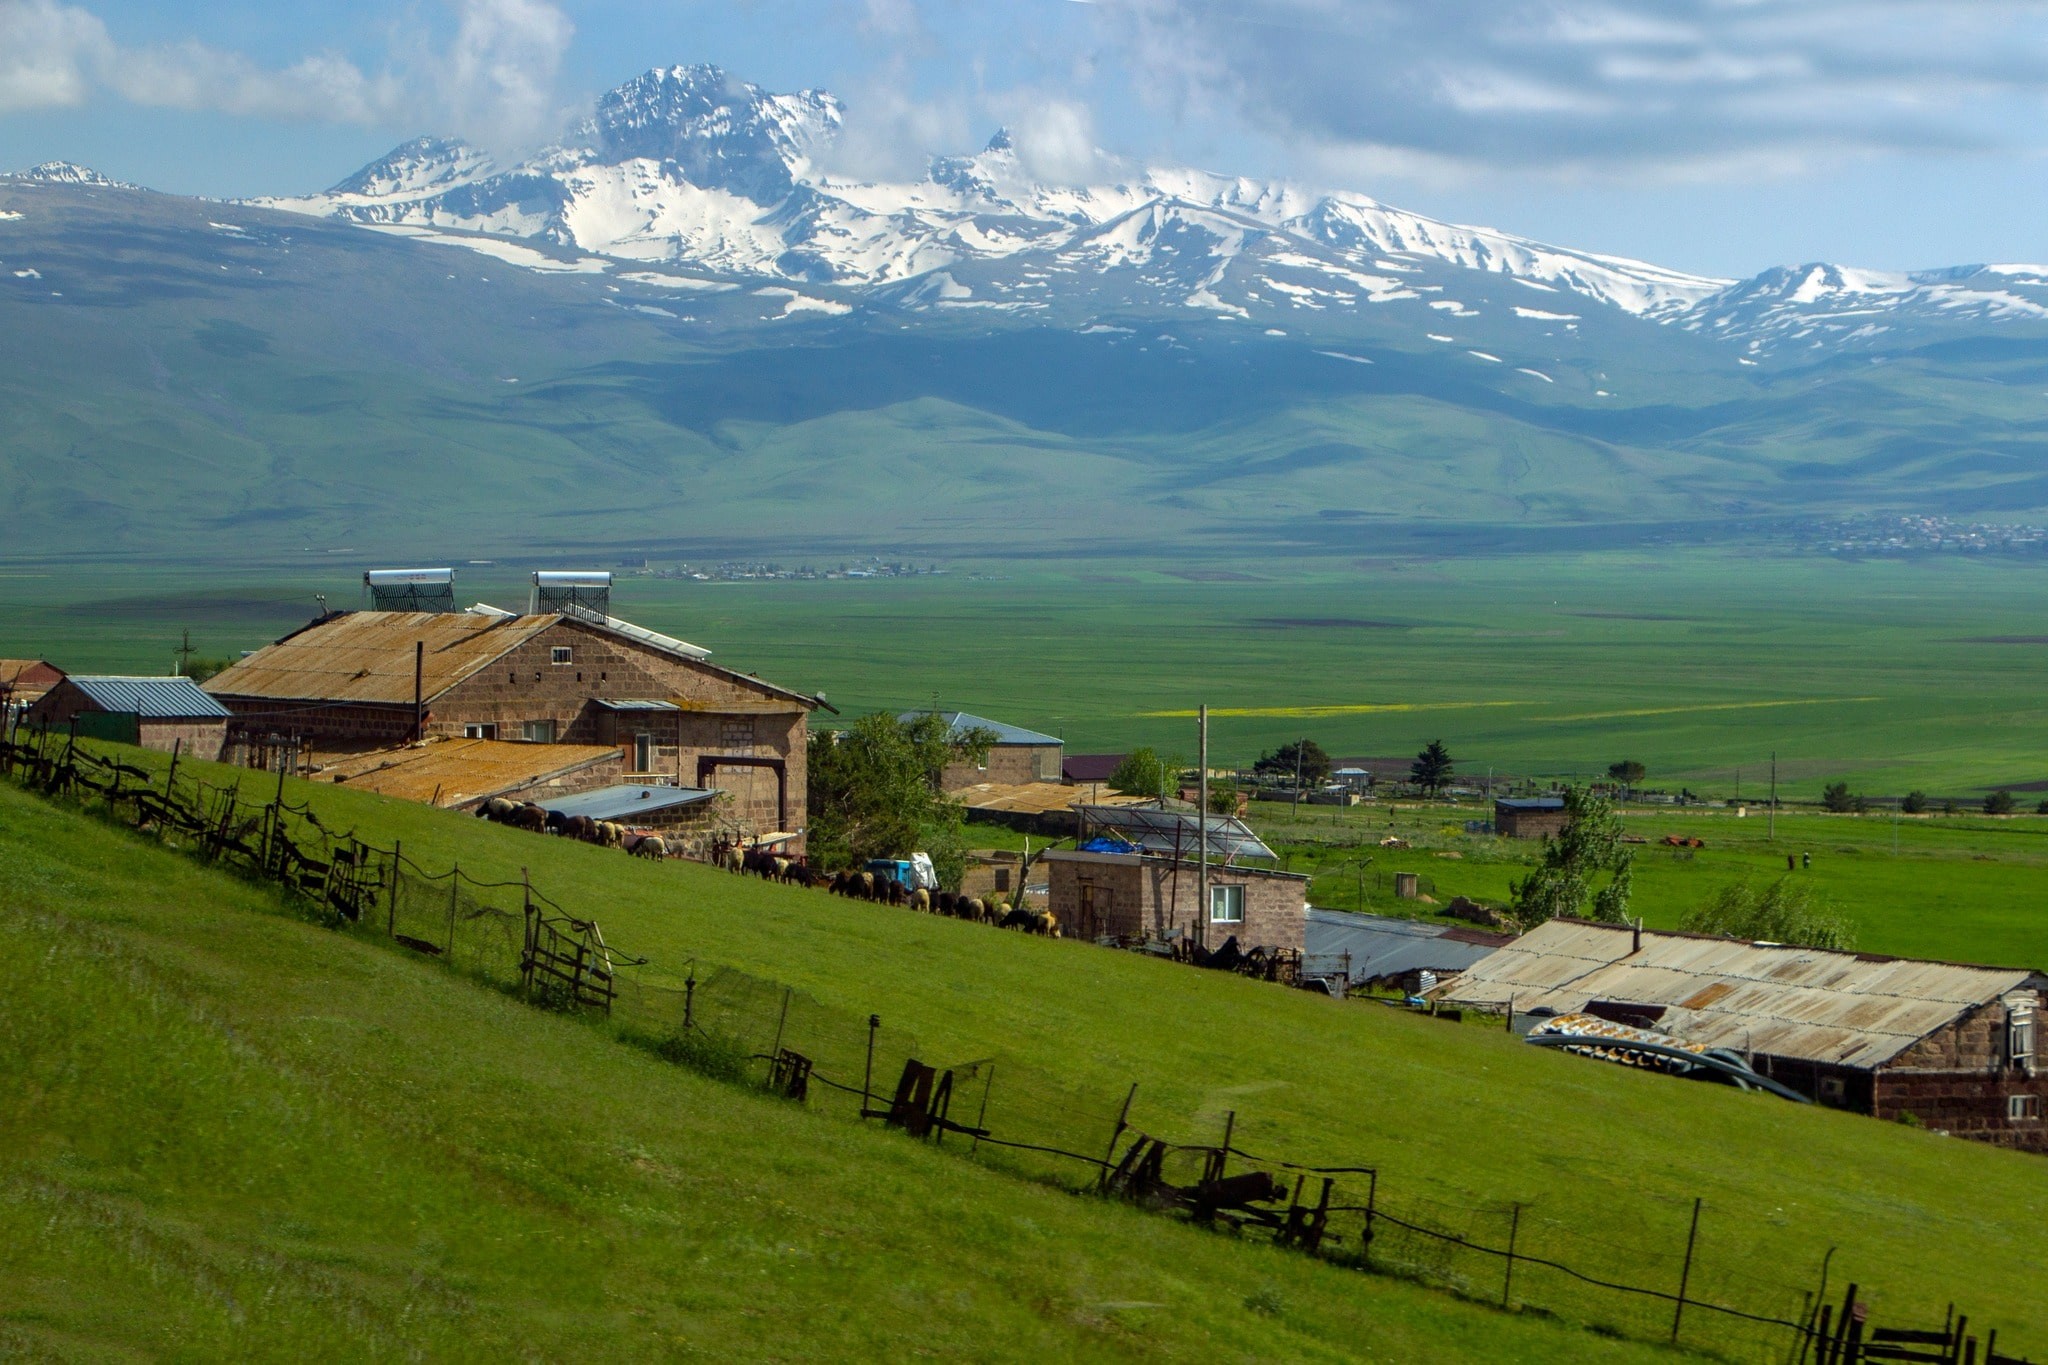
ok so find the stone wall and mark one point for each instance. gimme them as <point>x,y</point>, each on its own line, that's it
<point>1007,763</point>
<point>1097,894</point>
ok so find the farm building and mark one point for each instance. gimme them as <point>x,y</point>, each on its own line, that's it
<point>22,681</point>
<point>375,679</point>
<point>1136,874</point>
<point>1381,950</point>
<point>1528,817</point>
<point>1047,808</point>
<point>1133,895</point>
<point>154,712</point>
<point>664,809</point>
<point>1018,755</point>
<point>1950,1044</point>
<point>459,774</point>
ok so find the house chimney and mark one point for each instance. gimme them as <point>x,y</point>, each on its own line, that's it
<point>1637,936</point>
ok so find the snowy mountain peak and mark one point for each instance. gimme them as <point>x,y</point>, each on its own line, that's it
<point>70,173</point>
<point>422,166</point>
<point>719,132</point>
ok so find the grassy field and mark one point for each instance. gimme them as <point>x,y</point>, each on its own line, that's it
<point>1891,675</point>
<point>231,1134</point>
<point>1466,1117</point>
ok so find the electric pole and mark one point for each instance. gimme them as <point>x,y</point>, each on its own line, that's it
<point>1772,836</point>
<point>1202,830</point>
<point>184,652</point>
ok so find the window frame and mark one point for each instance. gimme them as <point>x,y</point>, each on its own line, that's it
<point>1232,896</point>
<point>538,731</point>
<point>559,655</point>
<point>480,729</point>
<point>2019,1037</point>
<point>2022,1108</point>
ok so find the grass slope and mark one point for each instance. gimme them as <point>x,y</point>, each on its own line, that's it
<point>1464,1116</point>
<point>229,1133</point>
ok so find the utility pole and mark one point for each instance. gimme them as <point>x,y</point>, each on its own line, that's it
<point>184,652</point>
<point>1296,809</point>
<point>1202,830</point>
<point>1773,834</point>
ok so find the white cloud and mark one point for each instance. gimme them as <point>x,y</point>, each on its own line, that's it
<point>1054,138</point>
<point>494,81</point>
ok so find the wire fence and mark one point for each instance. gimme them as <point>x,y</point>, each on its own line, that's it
<point>1662,1275</point>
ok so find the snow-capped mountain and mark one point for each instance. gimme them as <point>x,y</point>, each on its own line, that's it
<point>688,169</point>
<point>69,173</point>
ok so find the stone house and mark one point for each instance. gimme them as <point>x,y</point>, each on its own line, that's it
<point>1528,817</point>
<point>1141,895</point>
<point>364,680</point>
<point>1017,756</point>
<point>154,712</point>
<point>1953,1045</point>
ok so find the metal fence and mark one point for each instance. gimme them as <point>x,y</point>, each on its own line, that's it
<point>1654,1273</point>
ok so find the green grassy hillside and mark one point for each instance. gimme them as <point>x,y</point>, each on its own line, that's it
<point>228,1133</point>
<point>1454,1118</point>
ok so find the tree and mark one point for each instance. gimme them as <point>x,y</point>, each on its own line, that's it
<point>1222,798</point>
<point>1431,770</point>
<point>874,791</point>
<point>1589,844</point>
<point>1835,797</point>
<point>1999,802</point>
<point>1786,911</point>
<point>1626,773</point>
<point>1303,756</point>
<point>1144,773</point>
<point>199,669</point>
<point>1914,802</point>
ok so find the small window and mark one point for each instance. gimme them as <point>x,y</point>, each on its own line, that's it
<point>561,654</point>
<point>2019,1038</point>
<point>1831,1088</point>
<point>1226,905</point>
<point>538,732</point>
<point>479,732</point>
<point>643,753</point>
<point>1002,879</point>
<point>2023,1108</point>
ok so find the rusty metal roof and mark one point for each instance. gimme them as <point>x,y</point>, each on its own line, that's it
<point>367,656</point>
<point>454,772</point>
<point>1844,1009</point>
<point>1031,798</point>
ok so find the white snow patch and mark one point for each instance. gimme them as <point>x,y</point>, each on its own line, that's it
<point>1534,374</point>
<point>28,274</point>
<point>794,302</point>
<point>1744,360</point>
<point>1534,284</point>
<point>1494,359</point>
<point>1339,355</point>
<point>511,253</point>
<point>1094,328</point>
<point>10,216</point>
<point>234,229</point>
<point>1540,316</point>
<point>678,281</point>
<point>1275,332</point>
<point>1434,337</point>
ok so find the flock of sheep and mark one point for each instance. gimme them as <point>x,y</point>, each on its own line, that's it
<point>856,885</point>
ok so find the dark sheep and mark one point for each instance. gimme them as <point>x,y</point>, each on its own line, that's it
<point>943,903</point>
<point>529,817</point>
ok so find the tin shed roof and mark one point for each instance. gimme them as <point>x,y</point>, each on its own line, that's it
<point>153,698</point>
<point>625,802</point>
<point>453,772</point>
<point>367,656</point>
<point>1381,945</point>
<point>961,722</point>
<point>1843,1009</point>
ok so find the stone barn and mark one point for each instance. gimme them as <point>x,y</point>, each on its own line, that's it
<point>1140,895</point>
<point>1528,817</point>
<point>154,712</point>
<point>1017,756</point>
<point>371,679</point>
<point>1954,1046</point>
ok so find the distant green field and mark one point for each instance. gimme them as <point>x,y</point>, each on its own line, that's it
<point>1455,1118</point>
<point>1889,675</point>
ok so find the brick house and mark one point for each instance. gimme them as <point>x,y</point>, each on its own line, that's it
<point>362,680</point>
<point>22,681</point>
<point>1017,756</point>
<point>1955,1046</point>
<point>1528,817</point>
<point>1141,895</point>
<point>154,712</point>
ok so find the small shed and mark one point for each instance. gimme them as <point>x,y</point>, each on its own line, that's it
<point>23,681</point>
<point>1132,895</point>
<point>1386,950</point>
<point>644,807</point>
<point>1528,817</point>
<point>1017,755</point>
<point>1082,770</point>
<point>154,712</point>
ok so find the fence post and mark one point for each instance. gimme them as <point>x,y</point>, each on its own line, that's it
<point>454,889</point>
<point>1122,1118</point>
<point>867,1078</point>
<point>776,1051</point>
<point>1372,1192</point>
<point>981,1119</point>
<point>1685,1275</point>
<point>690,1000</point>
<point>397,870</point>
<point>1507,1284</point>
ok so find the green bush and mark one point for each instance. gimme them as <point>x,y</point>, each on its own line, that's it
<point>715,1055</point>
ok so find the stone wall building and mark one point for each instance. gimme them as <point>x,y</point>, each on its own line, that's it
<point>363,680</point>
<point>154,712</point>
<point>1017,756</point>
<point>1954,1046</point>
<point>1528,817</point>
<point>1138,895</point>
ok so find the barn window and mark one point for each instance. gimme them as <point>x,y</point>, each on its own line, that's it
<point>1226,904</point>
<point>2022,1108</point>
<point>2019,1037</point>
<point>538,732</point>
<point>1831,1088</point>
<point>479,732</point>
<point>561,654</point>
<point>643,753</point>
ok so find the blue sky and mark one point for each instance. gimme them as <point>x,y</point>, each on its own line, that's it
<point>1715,135</point>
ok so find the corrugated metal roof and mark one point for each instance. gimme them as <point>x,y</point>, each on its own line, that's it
<point>1035,798</point>
<point>624,803</point>
<point>963,721</point>
<point>452,772</point>
<point>1529,802</point>
<point>367,656</point>
<point>1176,833</point>
<point>1844,1009</point>
<point>1381,945</point>
<point>631,704</point>
<point>152,698</point>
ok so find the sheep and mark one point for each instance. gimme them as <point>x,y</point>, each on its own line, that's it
<point>648,846</point>
<point>528,817</point>
<point>921,900</point>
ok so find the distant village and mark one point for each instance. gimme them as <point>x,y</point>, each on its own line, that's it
<point>568,719</point>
